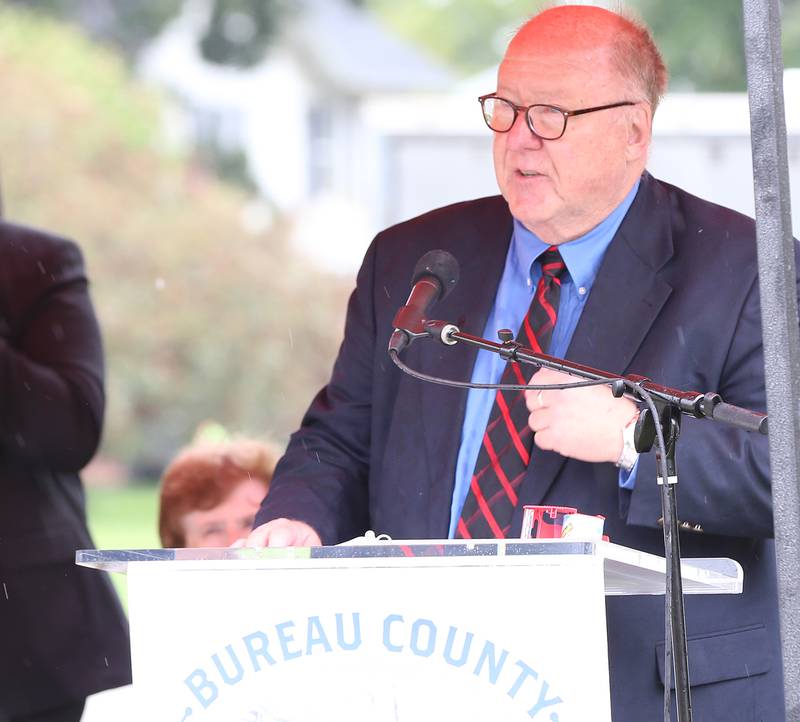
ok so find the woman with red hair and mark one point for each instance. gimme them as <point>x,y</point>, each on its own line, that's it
<point>210,492</point>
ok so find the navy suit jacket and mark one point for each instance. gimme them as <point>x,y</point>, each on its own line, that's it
<point>676,300</point>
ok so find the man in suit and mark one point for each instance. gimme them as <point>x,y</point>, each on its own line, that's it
<point>63,633</point>
<point>651,280</point>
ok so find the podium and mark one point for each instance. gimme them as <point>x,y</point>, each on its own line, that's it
<point>401,631</point>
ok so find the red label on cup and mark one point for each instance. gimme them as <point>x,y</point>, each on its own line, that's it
<point>544,522</point>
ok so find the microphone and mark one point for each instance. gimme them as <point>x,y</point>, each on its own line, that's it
<point>435,274</point>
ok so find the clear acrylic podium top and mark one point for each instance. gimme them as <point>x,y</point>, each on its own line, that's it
<point>626,571</point>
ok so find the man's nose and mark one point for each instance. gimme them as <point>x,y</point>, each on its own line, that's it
<point>521,136</point>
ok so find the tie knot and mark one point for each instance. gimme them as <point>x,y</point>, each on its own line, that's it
<point>552,263</point>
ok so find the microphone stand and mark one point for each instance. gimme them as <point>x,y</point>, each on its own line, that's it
<point>660,422</point>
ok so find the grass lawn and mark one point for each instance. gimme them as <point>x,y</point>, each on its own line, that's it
<point>125,518</point>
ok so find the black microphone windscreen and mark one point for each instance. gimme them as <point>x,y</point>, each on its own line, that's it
<point>441,265</point>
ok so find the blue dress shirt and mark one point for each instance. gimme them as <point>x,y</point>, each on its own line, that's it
<point>582,257</point>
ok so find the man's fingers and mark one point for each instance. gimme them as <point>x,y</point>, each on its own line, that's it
<point>545,440</point>
<point>258,537</point>
<point>539,420</point>
<point>535,400</point>
<point>283,533</point>
<point>311,538</point>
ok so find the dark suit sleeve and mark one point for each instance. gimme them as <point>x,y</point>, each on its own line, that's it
<point>51,358</point>
<point>323,477</point>
<point>723,473</point>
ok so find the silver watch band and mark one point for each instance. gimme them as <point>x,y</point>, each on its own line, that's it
<point>628,456</point>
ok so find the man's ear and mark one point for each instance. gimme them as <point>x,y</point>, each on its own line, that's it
<point>640,131</point>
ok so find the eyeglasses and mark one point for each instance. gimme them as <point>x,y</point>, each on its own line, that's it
<point>548,122</point>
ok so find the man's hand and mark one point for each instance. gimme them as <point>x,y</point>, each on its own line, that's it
<point>283,533</point>
<point>584,423</point>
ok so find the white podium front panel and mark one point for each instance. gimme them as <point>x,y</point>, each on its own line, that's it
<point>403,632</point>
<point>371,644</point>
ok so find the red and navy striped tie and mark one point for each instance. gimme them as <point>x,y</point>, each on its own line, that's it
<point>507,442</point>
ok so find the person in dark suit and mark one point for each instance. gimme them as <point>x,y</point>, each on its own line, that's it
<point>63,633</point>
<point>656,282</point>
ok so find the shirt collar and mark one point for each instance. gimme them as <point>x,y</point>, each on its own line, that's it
<point>582,256</point>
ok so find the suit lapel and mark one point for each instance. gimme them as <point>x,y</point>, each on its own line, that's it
<point>481,254</point>
<point>625,300</point>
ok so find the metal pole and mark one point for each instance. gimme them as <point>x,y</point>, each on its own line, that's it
<point>776,273</point>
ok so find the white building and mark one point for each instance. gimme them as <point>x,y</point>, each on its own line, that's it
<point>299,114</point>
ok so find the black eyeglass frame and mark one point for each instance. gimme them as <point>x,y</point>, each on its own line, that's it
<point>567,114</point>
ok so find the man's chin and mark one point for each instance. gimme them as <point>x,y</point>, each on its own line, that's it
<point>532,214</point>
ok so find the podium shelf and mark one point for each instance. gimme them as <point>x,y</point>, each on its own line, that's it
<point>626,571</point>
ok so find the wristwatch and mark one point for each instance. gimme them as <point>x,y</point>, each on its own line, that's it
<point>629,455</point>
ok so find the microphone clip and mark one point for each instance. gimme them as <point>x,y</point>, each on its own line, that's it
<point>440,330</point>
<point>443,331</point>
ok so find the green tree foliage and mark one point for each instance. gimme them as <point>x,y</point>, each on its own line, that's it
<point>469,35</point>
<point>239,31</point>
<point>701,41</point>
<point>201,317</point>
<point>126,25</point>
